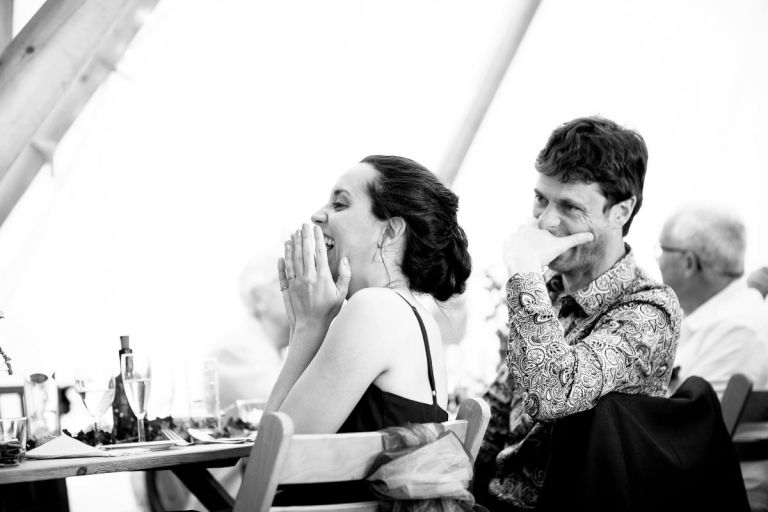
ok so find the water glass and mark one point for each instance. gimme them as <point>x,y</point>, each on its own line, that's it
<point>13,440</point>
<point>203,390</point>
<point>41,396</point>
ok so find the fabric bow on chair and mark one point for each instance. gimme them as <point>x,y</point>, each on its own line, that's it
<point>423,468</point>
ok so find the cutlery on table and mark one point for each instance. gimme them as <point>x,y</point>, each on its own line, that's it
<point>173,436</point>
<point>204,436</point>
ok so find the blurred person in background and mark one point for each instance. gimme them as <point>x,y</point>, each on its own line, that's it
<point>475,361</point>
<point>701,256</point>
<point>451,318</point>
<point>471,354</point>
<point>249,360</point>
<point>250,355</point>
<point>596,323</point>
<point>758,280</point>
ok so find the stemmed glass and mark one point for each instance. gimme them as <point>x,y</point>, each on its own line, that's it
<point>136,371</point>
<point>97,390</point>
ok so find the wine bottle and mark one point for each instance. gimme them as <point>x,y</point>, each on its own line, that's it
<point>124,420</point>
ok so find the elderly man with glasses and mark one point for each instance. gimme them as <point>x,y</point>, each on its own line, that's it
<point>701,256</point>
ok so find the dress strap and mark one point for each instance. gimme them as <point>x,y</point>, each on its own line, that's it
<point>426,348</point>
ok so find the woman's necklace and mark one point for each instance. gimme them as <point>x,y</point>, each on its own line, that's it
<point>397,285</point>
<point>401,288</point>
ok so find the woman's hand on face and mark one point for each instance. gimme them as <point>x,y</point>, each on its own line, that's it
<point>314,297</point>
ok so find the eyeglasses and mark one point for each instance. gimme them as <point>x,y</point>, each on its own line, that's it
<point>661,249</point>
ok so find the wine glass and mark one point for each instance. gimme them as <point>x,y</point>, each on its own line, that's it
<point>97,390</point>
<point>136,371</point>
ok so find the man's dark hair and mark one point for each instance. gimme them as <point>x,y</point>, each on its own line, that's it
<point>597,150</point>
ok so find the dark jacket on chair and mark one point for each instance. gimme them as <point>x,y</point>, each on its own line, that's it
<point>638,453</point>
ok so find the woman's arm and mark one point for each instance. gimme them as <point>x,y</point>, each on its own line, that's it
<point>357,349</point>
<point>304,345</point>
<point>311,300</point>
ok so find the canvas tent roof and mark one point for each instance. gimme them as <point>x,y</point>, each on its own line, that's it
<point>225,124</point>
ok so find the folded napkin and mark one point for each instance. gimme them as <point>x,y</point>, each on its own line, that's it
<point>64,447</point>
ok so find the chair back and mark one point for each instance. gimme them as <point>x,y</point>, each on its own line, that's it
<point>734,400</point>
<point>13,398</point>
<point>751,436</point>
<point>280,457</point>
<point>756,407</point>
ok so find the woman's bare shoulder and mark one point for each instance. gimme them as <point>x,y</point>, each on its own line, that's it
<point>374,309</point>
<point>373,295</point>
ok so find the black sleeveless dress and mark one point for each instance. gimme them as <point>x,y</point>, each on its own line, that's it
<point>379,409</point>
<point>376,409</point>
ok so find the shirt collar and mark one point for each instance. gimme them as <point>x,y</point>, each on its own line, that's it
<point>604,289</point>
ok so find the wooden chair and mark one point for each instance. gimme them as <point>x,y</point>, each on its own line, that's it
<point>42,496</point>
<point>14,394</point>
<point>751,437</point>
<point>734,400</point>
<point>280,457</point>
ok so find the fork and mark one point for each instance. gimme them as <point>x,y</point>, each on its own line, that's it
<point>173,436</point>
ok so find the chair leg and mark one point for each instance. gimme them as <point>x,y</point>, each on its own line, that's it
<point>205,487</point>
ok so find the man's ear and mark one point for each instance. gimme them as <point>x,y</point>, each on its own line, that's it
<point>621,212</point>
<point>691,262</point>
<point>394,231</point>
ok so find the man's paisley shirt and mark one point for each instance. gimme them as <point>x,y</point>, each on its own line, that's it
<point>619,333</point>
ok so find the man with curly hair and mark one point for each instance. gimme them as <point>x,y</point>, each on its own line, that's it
<point>591,324</point>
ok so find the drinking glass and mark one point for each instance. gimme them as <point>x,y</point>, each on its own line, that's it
<point>13,440</point>
<point>136,371</point>
<point>203,390</point>
<point>97,390</point>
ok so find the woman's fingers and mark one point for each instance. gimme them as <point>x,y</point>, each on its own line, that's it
<point>281,274</point>
<point>298,256</point>
<point>290,273</point>
<point>303,251</point>
<point>284,284</point>
<point>308,251</point>
<point>321,252</point>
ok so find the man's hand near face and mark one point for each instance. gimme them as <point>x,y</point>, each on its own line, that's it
<point>529,248</point>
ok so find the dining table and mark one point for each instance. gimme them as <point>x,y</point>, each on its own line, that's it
<point>189,463</point>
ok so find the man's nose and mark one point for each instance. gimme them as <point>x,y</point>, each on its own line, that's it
<point>549,219</point>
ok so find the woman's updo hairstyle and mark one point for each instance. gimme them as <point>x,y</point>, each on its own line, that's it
<point>436,260</point>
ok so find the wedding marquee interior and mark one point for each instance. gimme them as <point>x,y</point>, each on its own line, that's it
<point>152,148</point>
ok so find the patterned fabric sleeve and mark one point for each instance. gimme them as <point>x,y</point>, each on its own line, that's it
<point>622,352</point>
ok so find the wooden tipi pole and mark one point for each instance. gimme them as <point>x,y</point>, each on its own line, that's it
<point>457,151</point>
